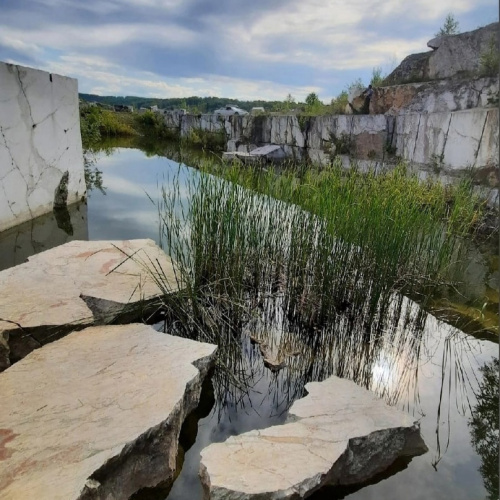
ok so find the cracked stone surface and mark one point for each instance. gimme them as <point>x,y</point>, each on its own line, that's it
<point>457,139</point>
<point>39,141</point>
<point>450,141</point>
<point>338,434</point>
<point>75,285</point>
<point>97,414</point>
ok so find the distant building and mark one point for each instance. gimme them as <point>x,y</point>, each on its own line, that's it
<point>257,110</point>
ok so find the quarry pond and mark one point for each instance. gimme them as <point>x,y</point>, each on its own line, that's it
<point>445,377</point>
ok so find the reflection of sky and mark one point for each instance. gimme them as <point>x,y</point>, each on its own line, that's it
<point>445,351</point>
<point>411,381</point>
<point>130,179</point>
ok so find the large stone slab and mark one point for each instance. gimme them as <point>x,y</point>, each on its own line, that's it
<point>97,414</point>
<point>41,161</point>
<point>77,284</point>
<point>339,434</point>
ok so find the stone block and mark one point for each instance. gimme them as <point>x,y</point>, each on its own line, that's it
<point>40,143</point>
<point>98,414</point>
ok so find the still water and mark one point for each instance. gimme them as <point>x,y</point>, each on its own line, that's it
<point>443,376</point>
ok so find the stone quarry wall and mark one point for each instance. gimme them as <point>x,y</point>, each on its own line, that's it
<point>451,141</point>
<point>41,161</point>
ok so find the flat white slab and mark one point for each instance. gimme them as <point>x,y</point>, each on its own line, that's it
<point>97,413</point>
<point>74,285</point>
<point>339,434</point>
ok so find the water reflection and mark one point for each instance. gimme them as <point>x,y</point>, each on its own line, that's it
<point>416,363</point>
<point>411,359</point>
<point>44,232</point>
<point>484,427</point>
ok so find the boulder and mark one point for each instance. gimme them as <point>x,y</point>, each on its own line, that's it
<point>339,434</point>
<point>75,285</point>
<point>451,56</point>
<point>98,414</point>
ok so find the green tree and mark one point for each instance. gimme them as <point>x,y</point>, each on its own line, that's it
<point>313,104</point>
<point>489,61</point>
<point>312,99</point>
<point>289,102</point>
<point>339,103</point>
<point>450,26</point>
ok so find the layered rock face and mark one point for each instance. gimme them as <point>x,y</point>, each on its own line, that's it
<point>435,97</point>
<point>97,415</point>
<point>452,55</point>
<point>339,434</point>
<point>75,285</point>
<point>41,161</point>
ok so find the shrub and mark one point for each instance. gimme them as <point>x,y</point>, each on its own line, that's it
<point>489,60</point>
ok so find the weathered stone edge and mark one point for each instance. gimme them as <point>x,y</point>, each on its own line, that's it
<point>150,459</point>
<point>406,440</point>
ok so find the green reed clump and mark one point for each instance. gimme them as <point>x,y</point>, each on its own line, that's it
<point>331,241</point>
<point>214,141</point>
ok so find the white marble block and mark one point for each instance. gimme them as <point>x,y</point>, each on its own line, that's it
<point>40,143</point>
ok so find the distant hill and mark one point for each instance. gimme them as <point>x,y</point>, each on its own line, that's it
<point>193,104</point>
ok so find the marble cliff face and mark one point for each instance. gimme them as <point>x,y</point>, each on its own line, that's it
<point>41,162</point>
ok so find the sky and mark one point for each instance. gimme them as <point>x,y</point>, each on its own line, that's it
<point>241,49</point>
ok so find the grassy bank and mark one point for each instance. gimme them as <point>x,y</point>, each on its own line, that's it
<point>97,124</point>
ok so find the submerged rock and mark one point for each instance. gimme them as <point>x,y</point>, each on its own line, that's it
<point>75,285</point>
<point>337,435</point>
<point>97,414</point>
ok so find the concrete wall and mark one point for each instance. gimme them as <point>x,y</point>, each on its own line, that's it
<point>41,159</point>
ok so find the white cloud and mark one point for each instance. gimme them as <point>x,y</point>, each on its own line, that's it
<point>20,45</point>
<point>98,76</point>
<point>70,37</point>
<point>328,35</point>
<point>329,39</point>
